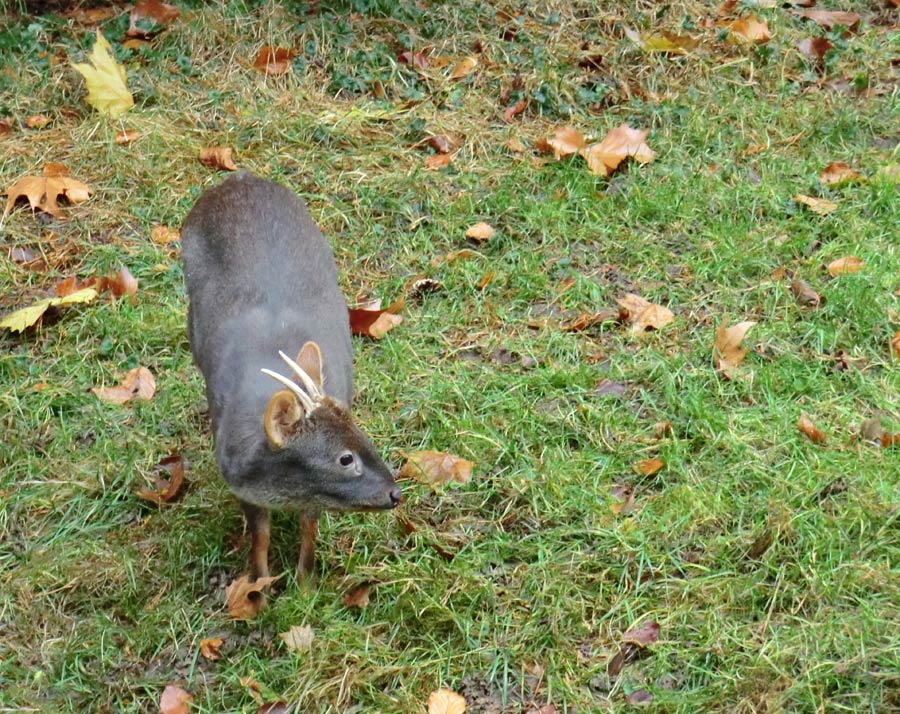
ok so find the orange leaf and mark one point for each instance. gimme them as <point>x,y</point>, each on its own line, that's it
<point>749,29</point>
<point>643,315</point>
<point>244,599</point>
<point>174,700</point>
<point>274,60</point>
<point>166,489</point>
<point>443,701</point>
<point>847,264</point>
<point>515,109</point>
<point>436,468</point>
<point>809,429</point>
<point>621,143</point>
<point>126,136</point>
<point>837,172</point>
<point>648,467</point>
<point>895,344</point>
<point>138,384</point>
<point>816,205</point>
<point>357,597</point>
<point>480,232</point>
<point>564,142</point>
<point>155,11</point>
<point>210,648</point>
<point>727,352</point>
<point>375,323</point>
<point>43,191</point>
<point>815,48</point>
<point>164,234</point>
<point>37,121</point>
<point>217,157</point>
<point>433,162</point>
<point>464,67</point>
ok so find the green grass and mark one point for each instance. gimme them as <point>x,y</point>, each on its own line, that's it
<point>104,598</point>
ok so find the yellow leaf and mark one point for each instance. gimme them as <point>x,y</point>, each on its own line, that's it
<point>20,319</point>
<point>106,82</point>
<point>749,29</point>
<point>816,205</point>
<point>444,701</point>
<point>847,264</point>
<point>464,67</point>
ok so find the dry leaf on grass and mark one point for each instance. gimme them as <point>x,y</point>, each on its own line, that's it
<point>587,320</point>
<point>105,80</point>
<point>836,173</point>
<point>436,468</point>
<point>480,232</point>
<point>815,48</point>
<point>565,141</point>
<point>375,323</point>
<point>642,314</point>
<point>19,320</point>
<point>895,344</point>
<point>440,144</point>
<point>662,41</point>
<point>464,67</point>
<point>643,635</point>
<point>749,29</point>
<point>727,351</point>
<point>164,234</point>
<point>416,60</point>
<point>244,599</point>
<point>621,143</point>
<point>42,192</point>
<point>847,264</point>
<point>445,701</point>
<point>126,136</point>
<point>209,648</point>
<point>805,294</point>
<point>638,697</point>
<point>278,707</point>
<point>139,383</point>
<point>511,112</point>
<point>166,489</point>
<point>217,157</point>
<point>648,467</point>
<point>829,19</point>
<point>624,493</point>
<point>174,700</point>
<point>148,17</point>
<point>816,205</point>
<point>357,597</point>
<point>299,638</point>
<point>37,121</point>
<point>433,162</point>
<point>806,427</point>
<point>274,60</point>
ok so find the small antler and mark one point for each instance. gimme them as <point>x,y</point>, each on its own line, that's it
<point>309,401</point>
<point>308,382</point>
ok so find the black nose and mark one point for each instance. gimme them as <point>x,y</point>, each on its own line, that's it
<point>396,496</point>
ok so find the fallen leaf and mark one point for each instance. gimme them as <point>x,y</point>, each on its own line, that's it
<point>5,127</point>
<point>805,294</point>
<point>847,264</point>
<point>417,60</point>
<point>587,320</point>
<point>278,707</point>
<point>663,41</point>
<point>444,701</point>
<point>829,19</point>
<point>895,344</point>
<point>244,599</point>
<point>122,283</point>
<point>836,173</point>
<point>209,648</point>
<point>19,320</point>
<point>815,48</point>
<point>564,142</point>
<point>607,387</point>
<point>662,429</point>
<point>440,144</point>
<point>621,143</point>
<point>888,440</point>
<point>217,157</point>
<point>37,121</point>
<point>625,504</point>
<point>357,596</point>
<point>638,697</point>
<point>372,322</point>
<point>174,700</point>
<point>433,162</point>
<point>385,322</point>
<point>642,314</point>
<point>480,232</point>
<point>21,255</point>
<point>274,60</point>
<point>645,634</point>
<point>164,234</point>
<point>139,383</point>
<point>42,192</point>
<point>817,205</point>
<point>147,14</point>
<point>648,467</point>
<point>464,67</point>
<point>135,43</point>
<point>486,279</point>
<point>453,256</point>
<point>166,488</point>
<point>749,29</point>
<point>514,110</point>
<point>727,351</point>
<point>806,427</point>
<point>106,81</point>
<point>436,468</point>
<point>127,136</point>
<point>299,638</point>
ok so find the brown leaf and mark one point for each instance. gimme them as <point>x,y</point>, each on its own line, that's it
<point>122,283</point>
<point>486,279</point>
<point>5,127</point>
<point>138,384</point>
<point>638,697</point>
<point>464,67</point>
<point>157,13</point>
<point>645,634</point>
<point>586,320</point>
<point>274,60</point>
<point>806,427</point>
<point>164,234</point>
<point>829,19</point>
<point>372,323</point>
<point>440,144</point>
<point>433,162</point>
<point>564,142</point>
<point>244,599</point>
<point>815,48</point>
<point>847,264</point>
<point>480,232</point>
<point>816,205</point>
<point>727,351</point>
<point>607,387</point>
<point>37,121</point>
<point>648,467</point>
<point>278,707</point>
<point>662,429</point>
<point>357,596</point>
<point>836,173</point>
<point>621,143</point>
<point>514,110</point>
<point>805,294</point>
<point>625,504</point>
<point>126,136</point>
<point>642,314</point>
<point>444,701</point>
<point>436,468</point>
<point>417,60</point>
<point>888,440</point>
<point>42,192</point>
<point>749,29</point>
<point>895,344</point>
<point>174,700</point>
<point>299,638</point>
<point>166,489</point>
<point>453,256</point>
<point>217,157</point>
<point>209,648</point>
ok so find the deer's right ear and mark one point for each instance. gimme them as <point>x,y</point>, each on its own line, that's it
<point>283,417</point>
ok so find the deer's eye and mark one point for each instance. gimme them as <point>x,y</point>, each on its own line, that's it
<point>346,459</point>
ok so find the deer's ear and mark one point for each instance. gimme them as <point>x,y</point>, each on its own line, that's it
<point>310,358</point>
<point>283,417</point>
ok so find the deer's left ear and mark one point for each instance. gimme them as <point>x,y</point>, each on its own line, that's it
<point>310,359</point>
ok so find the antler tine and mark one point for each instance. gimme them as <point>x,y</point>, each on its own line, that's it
<point>304,398</point>
<point>310,385</point>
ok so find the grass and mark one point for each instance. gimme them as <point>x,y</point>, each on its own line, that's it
<point>769,562</point>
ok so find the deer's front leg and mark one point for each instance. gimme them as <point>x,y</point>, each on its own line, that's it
<point>258,523</point>
<point>309,530</point>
